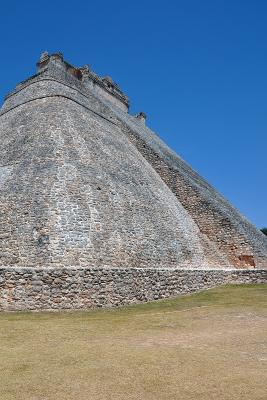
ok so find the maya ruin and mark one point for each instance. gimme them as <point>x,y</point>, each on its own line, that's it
<point>95,210</point>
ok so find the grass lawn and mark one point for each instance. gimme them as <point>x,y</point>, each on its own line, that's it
<point>210,345</point>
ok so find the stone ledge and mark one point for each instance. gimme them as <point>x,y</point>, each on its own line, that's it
<point>85,288</point>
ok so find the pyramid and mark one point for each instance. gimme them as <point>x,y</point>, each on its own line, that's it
<point>86,189</point>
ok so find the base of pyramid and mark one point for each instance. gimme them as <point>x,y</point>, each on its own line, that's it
<point>28,288</point>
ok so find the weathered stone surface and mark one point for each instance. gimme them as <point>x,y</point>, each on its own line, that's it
<point>85,184</point>
<point>84,288</point>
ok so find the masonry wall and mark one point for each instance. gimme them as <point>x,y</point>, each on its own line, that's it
<point>75,191</point>
<point>82,288</point>
<point>221,225</point>
<point>84,183</point>
<point>216,226</point>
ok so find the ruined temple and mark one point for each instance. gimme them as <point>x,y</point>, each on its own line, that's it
<point>96,210</point>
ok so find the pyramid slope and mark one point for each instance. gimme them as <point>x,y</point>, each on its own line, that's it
<point>75,191</point>
<point>221,224</point>
<point>84,183</point>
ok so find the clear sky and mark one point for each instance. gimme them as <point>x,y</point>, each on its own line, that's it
<point>197,68</point>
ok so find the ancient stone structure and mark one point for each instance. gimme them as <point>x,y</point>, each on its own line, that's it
<point>96,210</point>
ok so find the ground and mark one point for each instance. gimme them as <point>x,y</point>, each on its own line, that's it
<point>210,345</point>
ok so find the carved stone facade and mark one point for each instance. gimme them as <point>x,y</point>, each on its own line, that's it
<point>83,184</point>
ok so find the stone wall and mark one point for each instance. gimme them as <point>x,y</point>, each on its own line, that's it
<point>221,225</point>
<point>75,191</point>
<point>82,288</point>
<point>83,182</point>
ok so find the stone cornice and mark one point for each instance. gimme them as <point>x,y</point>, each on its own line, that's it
<point>82,74</point>
<point>79,77</point>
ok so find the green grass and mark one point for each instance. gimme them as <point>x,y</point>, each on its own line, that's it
<point>210,345</point>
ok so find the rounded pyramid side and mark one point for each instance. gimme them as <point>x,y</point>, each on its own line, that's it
<point>75,191</point>
<point>221,225</point>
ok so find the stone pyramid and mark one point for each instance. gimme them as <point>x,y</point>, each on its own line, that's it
<point>84,185</point>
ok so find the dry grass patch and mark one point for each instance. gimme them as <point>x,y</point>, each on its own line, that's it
<point>210,345</point>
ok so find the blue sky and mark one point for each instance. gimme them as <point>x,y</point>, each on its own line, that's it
<point>198,69</point>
